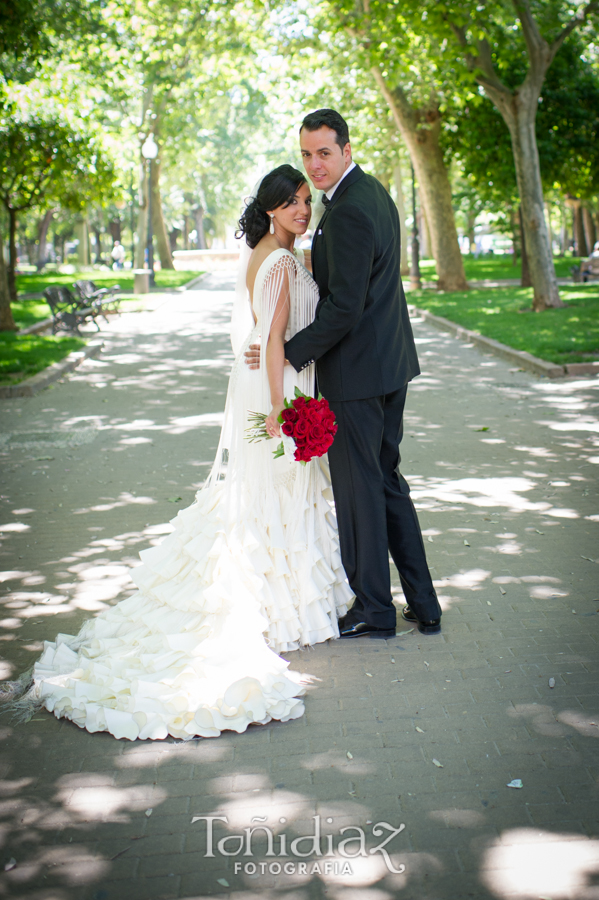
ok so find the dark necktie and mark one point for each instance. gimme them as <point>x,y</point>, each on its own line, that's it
<point>325,200</point>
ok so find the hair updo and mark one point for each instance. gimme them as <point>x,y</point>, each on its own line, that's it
<point>276,189</point>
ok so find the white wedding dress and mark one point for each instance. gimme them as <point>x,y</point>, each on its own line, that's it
<point>251,569</point>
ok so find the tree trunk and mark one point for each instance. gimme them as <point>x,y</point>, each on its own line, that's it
<point>83,246</point>
<point>470,234</point>
<point>525,280</point>
<point>518,109</point>
<point>401,210</point>
<point>115,228</point>
<point>589,229</point>
<point>7,323</point>
<point>549,229</point>
<point>142,218</point>
<point>579,235</point>
<point>200,234</point>
<point>516,226</point>
<point>423,234</point>
<point>421,130</point>
<point>158,226</point>
<point>43,239</point>
<point>12,255</point>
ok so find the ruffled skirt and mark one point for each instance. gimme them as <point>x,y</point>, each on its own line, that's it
<point>194,651</point>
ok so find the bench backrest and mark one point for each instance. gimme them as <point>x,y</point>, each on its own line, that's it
<point>86,289</point>
<point>59,298</point>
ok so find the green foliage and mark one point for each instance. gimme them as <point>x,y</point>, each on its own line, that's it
<point>567,128</point>
<point>24,355</point>
<point>45,158</point>
<point>566,335</point>
<point>166,279</point>
<point>31,30</point>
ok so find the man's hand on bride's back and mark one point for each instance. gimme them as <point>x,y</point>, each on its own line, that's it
<point>252,356</point>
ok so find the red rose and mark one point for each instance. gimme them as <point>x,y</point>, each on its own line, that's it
<point>301,427</point>
<point>290,415</point>
<point>287,428</point>
<point>317,433</point>
<point>299,403</point>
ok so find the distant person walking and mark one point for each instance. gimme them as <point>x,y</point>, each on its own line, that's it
<point>118,255</point>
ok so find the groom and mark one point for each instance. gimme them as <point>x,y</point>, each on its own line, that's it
<point>361,340</point>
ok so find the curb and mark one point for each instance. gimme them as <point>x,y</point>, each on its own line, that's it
<point>525,360</point>
<point>32,386</point>
<point>37,328</point>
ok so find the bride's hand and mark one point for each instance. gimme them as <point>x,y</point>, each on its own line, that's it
<point>273,426</point>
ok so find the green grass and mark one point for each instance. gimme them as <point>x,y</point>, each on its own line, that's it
<point>566,335</point>
<point>28,312</point>
<point>24,355</point>
<point>495,268</point>
<point>166,279</point>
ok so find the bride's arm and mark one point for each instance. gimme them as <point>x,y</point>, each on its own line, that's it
<point>275,357</point>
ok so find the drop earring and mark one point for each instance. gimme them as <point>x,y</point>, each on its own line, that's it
<point>272,224</point>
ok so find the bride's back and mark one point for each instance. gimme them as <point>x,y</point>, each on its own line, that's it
<point>269,244</point>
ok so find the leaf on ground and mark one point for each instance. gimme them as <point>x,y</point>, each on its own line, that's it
<point>11,864</point>
<point>485,428</point>
<point>223,881</point>
<point>349,755</point>
<point>552,682</point>
<point>409,631</point>
<point>429,539</point>
<point>437,764</point>
<point>149,812</point>
<point>39,458</point>
<point>502,591</point>
<point>539,532</point>
<point>369,674</point>
<point>426,664</point>
<point>174,499</point>
<point>419,730</point>
<point>466,544</point>
<point>392,660</point>
<point>516,783</point>
<point>588,559</point>
<point>489,603</point>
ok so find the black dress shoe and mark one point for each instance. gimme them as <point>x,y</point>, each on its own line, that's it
<point>363,629</point>
<point>432,627</point>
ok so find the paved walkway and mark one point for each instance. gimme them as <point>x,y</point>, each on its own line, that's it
<point>421,732</point>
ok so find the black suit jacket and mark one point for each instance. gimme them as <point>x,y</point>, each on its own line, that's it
<point>361,337</point>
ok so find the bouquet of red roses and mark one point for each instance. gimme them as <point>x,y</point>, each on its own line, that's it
<point>307,426</point>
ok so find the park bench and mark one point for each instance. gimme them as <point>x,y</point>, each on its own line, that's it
<point>584,272</point>
<point>104,299</point>
<point>69,312</point>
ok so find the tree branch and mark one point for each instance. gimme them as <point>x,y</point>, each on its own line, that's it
<point>483,61</point>
<point>532,36</point>
<point>591,7</point>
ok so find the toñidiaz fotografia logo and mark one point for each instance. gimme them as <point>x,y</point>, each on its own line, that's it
<point>321,852</point>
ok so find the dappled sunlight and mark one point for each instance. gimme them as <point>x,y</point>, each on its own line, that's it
<point>526,863</point>
<point>483,492</point>
<point>583,724</point>
<point>541,718</point>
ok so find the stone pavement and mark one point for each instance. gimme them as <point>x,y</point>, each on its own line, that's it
<point>421,732</point>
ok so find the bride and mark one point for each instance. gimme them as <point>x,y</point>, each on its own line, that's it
<point>252,567</point>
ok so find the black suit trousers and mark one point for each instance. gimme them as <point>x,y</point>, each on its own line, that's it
<point>375,512</point>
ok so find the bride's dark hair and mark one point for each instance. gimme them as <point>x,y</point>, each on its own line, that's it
<point>276,189</point>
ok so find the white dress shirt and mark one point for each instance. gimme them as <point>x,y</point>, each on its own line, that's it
<point>331,191</point>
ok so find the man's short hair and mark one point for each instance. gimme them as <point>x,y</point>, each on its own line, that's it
<point>327,118</point>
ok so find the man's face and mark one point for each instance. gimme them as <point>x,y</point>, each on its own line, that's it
<point>324,160</point>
